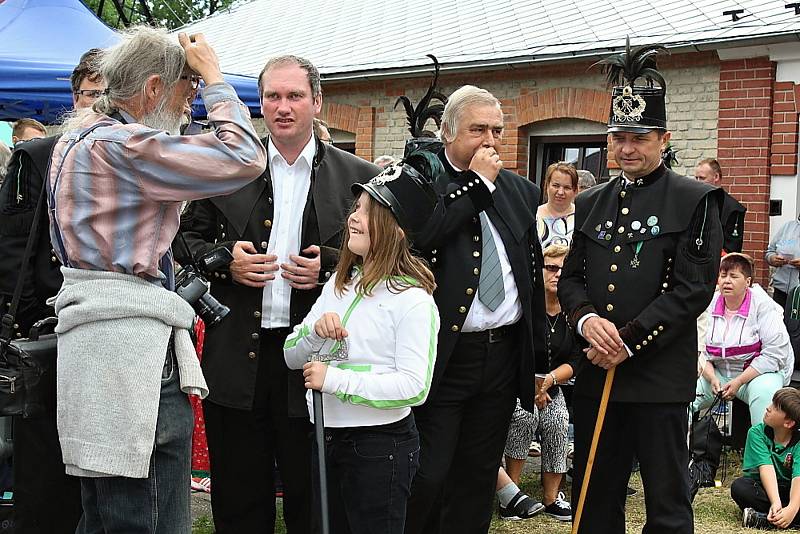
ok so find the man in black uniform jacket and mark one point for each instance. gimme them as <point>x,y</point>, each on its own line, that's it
<point>256,411</point>
<point>46,500</point>
<point>709,171</point>
<point>642,267</point>
<point>482,245</point>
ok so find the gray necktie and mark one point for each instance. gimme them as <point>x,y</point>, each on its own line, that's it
<point>490,286</point>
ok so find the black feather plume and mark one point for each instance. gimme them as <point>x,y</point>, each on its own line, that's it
<point>425,110</point>
<point>627,67</point>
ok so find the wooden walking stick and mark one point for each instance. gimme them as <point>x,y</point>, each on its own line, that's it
<point>598,427</point>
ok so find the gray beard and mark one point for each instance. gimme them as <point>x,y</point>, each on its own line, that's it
<point>162,119</point>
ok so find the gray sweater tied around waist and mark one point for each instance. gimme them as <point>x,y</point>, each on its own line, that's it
<point>113,331</point>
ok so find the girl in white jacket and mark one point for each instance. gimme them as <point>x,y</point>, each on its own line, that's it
<point>379,313</point>
<point>747,347</point>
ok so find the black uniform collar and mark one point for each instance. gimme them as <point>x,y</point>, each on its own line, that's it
<point>649,179</point>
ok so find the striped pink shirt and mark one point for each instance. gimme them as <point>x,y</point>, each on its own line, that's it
<point>118,195</point>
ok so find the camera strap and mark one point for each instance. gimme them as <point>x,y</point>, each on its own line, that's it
<point>7,330</point>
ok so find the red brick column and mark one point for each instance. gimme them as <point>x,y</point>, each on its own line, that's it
<point>784,130</point>
<point>744,146</point>
<point>364,132</point>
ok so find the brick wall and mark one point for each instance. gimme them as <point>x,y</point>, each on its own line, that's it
<point>783,158</point>
<point>531,94</point>
<point>745,144</point>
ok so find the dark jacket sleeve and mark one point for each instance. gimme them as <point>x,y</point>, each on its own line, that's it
<point>199,229</point>
<point>458,203</point>
<point>572,284</point>
<point>695,271</point>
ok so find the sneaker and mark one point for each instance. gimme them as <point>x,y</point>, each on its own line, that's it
<point>753,519</point>
<point>520,507</point>
<point>559,509</point>
<point>535,450</point>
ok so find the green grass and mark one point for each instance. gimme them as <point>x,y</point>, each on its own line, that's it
<point>714,510</point>
<point>205,525</point>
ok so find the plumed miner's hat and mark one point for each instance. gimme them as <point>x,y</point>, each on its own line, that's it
<point>407,190</point>
<point>426,109</point>
<point>636,108</point>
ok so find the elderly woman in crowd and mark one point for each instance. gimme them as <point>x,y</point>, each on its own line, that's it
<point>783,252</point>
<point>551,417</point>
<point>586,180</point>
<point>556,218</point>
<point>748,352</point>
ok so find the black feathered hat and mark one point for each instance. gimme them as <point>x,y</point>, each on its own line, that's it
<point>422,139</point>
<point>636,108</point>
<point>407,190</point>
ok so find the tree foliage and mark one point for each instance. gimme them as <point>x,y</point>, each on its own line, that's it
<point>165,13</point>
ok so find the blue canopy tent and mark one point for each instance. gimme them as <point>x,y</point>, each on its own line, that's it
<point>41,41</point>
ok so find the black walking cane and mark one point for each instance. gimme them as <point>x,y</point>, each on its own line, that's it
<point>319,433</point>
<point>338,352</point>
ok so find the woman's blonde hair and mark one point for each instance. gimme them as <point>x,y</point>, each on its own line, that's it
<point>564,168</point>
<point>555,251</point>
<point>390,257</point>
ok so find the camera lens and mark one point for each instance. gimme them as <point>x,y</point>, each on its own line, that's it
<point>211,310</point>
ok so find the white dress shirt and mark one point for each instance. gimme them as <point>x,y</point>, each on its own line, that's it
<point>509,311</point>
<point>290,186</point>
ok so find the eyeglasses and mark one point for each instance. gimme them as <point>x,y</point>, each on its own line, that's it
<point>90,93</point>
<point>194,79</point>
<point>551,268</point>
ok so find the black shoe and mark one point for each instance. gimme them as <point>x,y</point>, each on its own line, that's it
<point>520,507</point>
<point>630,491</point>
<point>559,509</point>
<point>753,519</point>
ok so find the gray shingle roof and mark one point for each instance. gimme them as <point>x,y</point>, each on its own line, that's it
<point>344,37</point>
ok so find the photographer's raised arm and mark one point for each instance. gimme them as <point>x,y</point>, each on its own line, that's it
<point>189,167</point>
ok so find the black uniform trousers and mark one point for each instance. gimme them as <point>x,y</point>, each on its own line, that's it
<point>655,433</point>
<point>244,445</point>
<point>463,430</point>
<point>46,499</point>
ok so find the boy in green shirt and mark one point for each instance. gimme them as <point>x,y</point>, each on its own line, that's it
<point>769,492</point>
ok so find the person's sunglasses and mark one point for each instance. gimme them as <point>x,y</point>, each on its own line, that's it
<point>91,93</point>
<point>194,79</point>
<point>552,268</point>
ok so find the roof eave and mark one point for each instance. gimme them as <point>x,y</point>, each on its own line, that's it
<point>532,59</point>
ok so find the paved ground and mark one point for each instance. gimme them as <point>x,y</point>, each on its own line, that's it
<point>201,505</point>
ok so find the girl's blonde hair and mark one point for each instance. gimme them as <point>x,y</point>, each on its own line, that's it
<point>390,257</point>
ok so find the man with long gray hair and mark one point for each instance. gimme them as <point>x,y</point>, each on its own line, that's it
<point>117,179</point>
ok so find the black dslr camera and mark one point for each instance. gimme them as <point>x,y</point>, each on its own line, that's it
<point>193,287</point>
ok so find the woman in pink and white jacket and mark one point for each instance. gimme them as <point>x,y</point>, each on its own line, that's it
<point>747,347</point>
